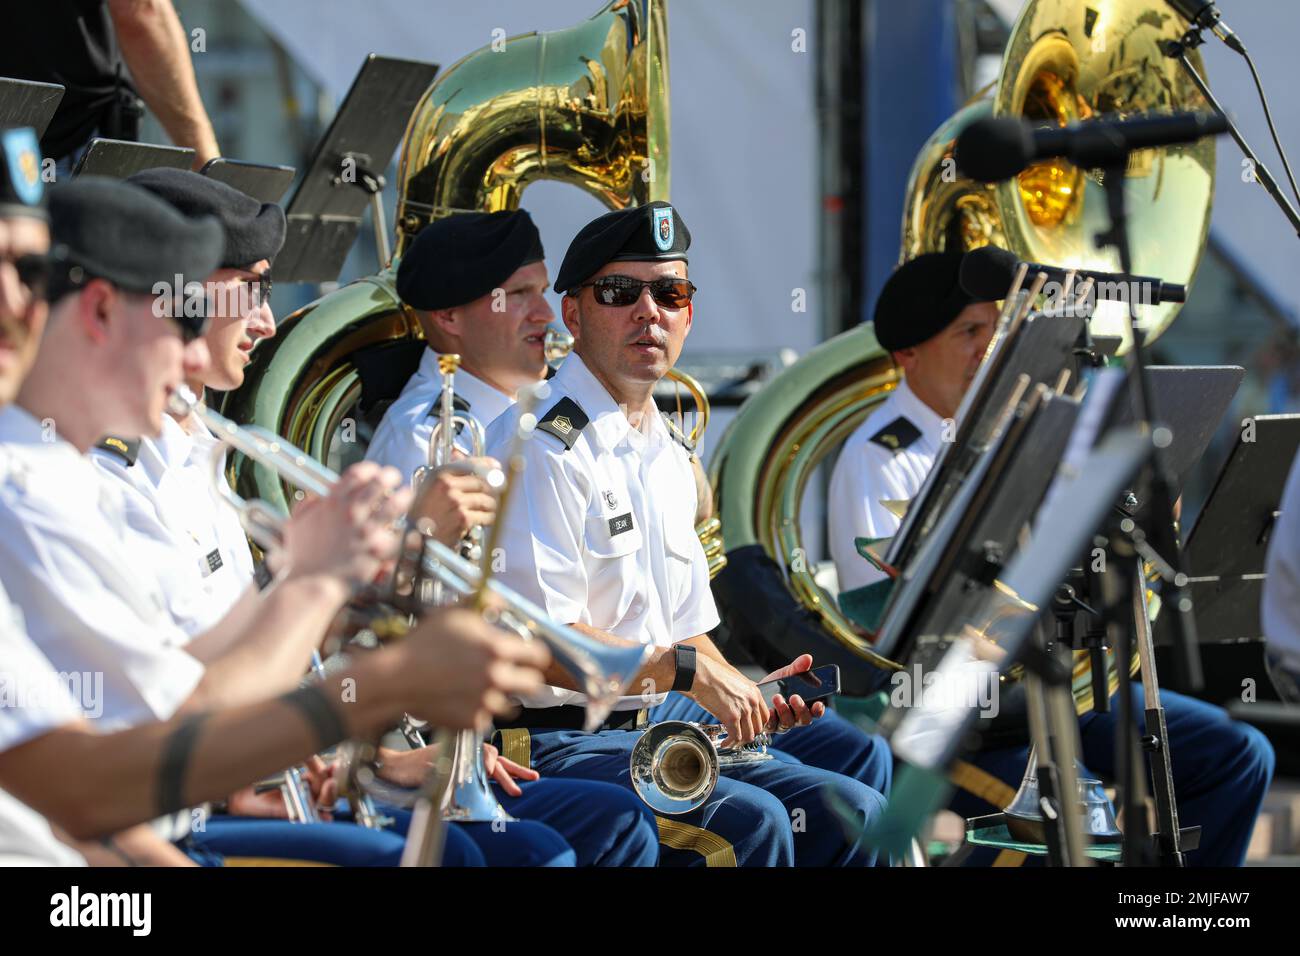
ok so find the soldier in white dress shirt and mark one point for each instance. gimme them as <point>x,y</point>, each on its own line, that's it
<point>938,332</point>
<point>601,534</point>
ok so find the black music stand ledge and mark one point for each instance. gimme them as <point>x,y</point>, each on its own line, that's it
<point>346,173</point>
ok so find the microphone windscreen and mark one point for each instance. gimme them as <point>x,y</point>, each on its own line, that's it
<point>993,149</point>
<point>986,273</point>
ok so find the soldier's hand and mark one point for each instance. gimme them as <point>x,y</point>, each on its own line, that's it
<point>347,535</point>
<point>731,697</point>
<point>455,498</point>
<point>461,671</point>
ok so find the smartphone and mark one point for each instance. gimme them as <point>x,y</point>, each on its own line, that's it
<point>820,683</point>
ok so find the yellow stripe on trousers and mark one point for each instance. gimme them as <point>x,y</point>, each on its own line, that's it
<point>682,836</point>
<point>517,745</point>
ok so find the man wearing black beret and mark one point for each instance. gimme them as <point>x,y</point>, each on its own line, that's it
<point>168,478</point>
<point>602,536</point>
<point>937,333</point>
<point>476,283</point>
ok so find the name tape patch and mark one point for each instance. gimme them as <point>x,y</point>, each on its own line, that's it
<point>620,523</point>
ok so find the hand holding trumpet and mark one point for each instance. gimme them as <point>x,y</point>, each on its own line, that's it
<point>347,535</point>
<point>458,671</point>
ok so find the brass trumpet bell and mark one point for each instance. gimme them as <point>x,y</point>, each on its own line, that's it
<point>1025,812</point>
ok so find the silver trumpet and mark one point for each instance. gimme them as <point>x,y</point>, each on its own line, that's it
<point>467,797</point>
<point>676,763</point>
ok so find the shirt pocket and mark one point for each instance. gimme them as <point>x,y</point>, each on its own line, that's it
<point>679,535</point>
<point>613,572</point>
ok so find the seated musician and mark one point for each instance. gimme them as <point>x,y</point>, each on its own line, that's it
<point>937,333</point>
<point>173,510</point>
<point>158,768</point>
<point>601,535</point>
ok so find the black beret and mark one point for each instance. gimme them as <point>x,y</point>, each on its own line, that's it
<point>119,232</point>
<point>254,230</point>
<point>920,300</point>
<point>459,258</point>
<point>648,233</point>
<point>22,191</point>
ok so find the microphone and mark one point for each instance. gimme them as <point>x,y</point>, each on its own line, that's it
<point>997,148</point>
<point>1205,15</point>
<point>987,272</point>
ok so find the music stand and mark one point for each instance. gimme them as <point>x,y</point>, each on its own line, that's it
<point>265,183</point>
<point>346,172</point>
<point>118,158</point>
<point>928,740</point>
<point>980,529</point>
<point>1189,400</point>
<point>1041,347</point>
<point>28,103</point>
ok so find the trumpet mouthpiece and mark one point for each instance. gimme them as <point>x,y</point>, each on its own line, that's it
<point>181,402</point>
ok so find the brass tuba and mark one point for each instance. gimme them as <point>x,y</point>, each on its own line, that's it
<point>586,105</point>
<point>1066,60</point>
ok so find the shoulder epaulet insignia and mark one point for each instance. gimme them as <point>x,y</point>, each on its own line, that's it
<point>897,435</point>
<point>128,451</point>
<point>565,420</point>
<point>458,402</point>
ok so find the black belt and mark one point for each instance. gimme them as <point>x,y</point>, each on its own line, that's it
<point>568,717</point>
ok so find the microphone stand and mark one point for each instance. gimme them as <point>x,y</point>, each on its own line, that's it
<point>1177,50</point>
<point>1165,552</point>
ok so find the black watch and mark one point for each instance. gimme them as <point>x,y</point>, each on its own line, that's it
<point>684,661</point>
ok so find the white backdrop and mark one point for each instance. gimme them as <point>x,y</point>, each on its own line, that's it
<point>744,162</point>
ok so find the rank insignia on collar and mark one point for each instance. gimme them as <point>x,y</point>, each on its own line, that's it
<point>897,434</point>
<point>128,450</point>
<point>562,424</point>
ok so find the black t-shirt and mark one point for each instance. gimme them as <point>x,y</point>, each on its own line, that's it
<point>69,42</point>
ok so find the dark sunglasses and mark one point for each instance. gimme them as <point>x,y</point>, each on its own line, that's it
<point>33,271</point>
<point>263,288</point>
<point>670,292</point>
<point>189,310</point>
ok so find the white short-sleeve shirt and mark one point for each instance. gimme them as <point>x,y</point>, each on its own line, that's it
<point>172,514</point>
<point>90,601</point>
<point>603,533</point>
<point>34,699</point>
<point>402,438</point>
<point>886,458</point>
<point>1281,603</point>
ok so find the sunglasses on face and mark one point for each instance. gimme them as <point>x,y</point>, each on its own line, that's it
<point>33,271</point>
<point>669,291</point>
<point>259,288</point>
